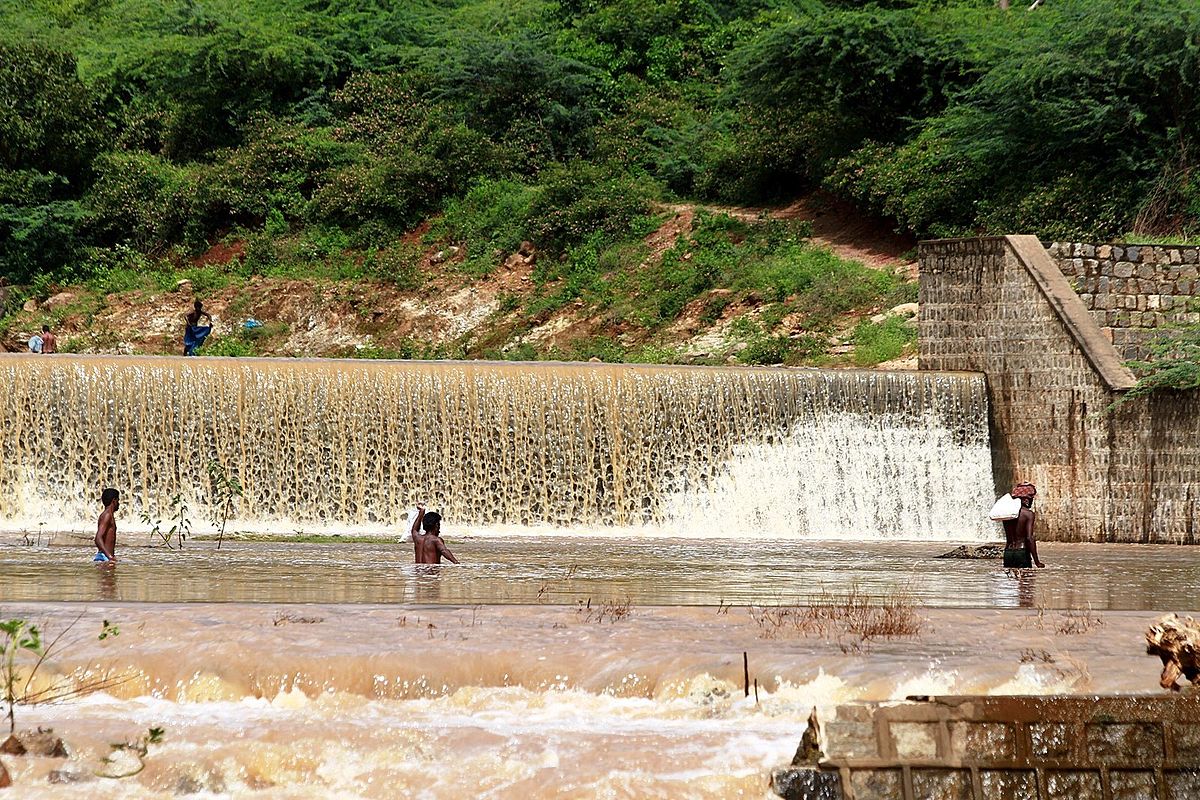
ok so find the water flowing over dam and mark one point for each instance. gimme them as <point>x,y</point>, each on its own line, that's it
<point>583,448</point>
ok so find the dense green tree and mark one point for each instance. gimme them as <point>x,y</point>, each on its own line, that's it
<point>48,120</point>
<point>155,123</point>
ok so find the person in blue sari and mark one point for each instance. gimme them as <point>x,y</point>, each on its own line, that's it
<point>195,333</point>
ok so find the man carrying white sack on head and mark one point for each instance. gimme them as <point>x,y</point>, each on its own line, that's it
<point>1020,550</point>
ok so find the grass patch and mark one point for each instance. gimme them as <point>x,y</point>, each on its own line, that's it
<point>876,342</point>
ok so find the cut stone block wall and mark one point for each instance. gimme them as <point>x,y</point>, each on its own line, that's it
<point>1001,306</point>
<point>1133,291</point>
<point>1009,748</point>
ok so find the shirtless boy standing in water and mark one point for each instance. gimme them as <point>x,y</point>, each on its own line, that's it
<point>428,547</point>
<point>106,528</point>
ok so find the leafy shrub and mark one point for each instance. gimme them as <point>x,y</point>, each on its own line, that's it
<point>766,350</point>
<point>276,172</point>
<point>138,198</point>
<point>576,201</point>
<point>236,345</point>
<point>406,162</point>
<point>490,216</point>
<point>399,266</point>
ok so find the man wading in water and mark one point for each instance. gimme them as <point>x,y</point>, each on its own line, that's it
<point>1020,550</point>
<point>428,547</point>
<point>106,528</point>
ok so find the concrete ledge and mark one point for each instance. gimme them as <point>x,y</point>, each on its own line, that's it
<point>1074,314</point>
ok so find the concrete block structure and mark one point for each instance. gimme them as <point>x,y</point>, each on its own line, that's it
<point>1007,748</point>
<point>1002,306</point>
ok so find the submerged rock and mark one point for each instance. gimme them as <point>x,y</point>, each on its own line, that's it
<point>976,551</point>
<point>70,776</point>
<point>5,778</point>
<point>41,742</point>
<point>806,783</point>
<point>193,778</point>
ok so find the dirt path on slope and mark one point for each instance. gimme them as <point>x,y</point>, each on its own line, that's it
<point>836,225</point>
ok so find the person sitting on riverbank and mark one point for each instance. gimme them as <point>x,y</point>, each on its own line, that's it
<point>49,340</point>
<point>1020,549</point>
<point>195,333</point>
<point>428,547</point>
<point>106,528</point>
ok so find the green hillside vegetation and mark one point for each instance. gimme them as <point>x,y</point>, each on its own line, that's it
<point>317,135</point>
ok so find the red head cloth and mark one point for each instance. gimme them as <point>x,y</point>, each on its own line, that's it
<point>1024,490</point>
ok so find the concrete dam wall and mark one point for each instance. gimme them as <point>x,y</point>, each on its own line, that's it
<point>1003,307</point>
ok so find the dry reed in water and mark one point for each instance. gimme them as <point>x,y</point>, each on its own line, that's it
<point>852,619</point>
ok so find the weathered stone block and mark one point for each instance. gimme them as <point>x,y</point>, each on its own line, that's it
<point>1052,740</point>
<point>1145,271</point>
<point>1073,785</point>
<point>1133,785</point>
<point>877,784</point>
<point>982,741</point>
<point>854,713</point>
<point>1008,784</point>
<point>795,783</point>
<point>1182,785</point>
<point>851,740</point>
<point>1133,254</point>
<point>914,739</point>
<point>942,784</point>
<point>1185,740</point>
<point>1122,269</point>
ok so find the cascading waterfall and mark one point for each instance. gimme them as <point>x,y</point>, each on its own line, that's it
<point>341,445</point>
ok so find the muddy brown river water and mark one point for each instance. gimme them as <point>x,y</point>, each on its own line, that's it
<point>565,569</point>
<point>498,679</point>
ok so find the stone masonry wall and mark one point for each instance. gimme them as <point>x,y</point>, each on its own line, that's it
<point>1133,291</point>
<point>1001,307</point>
<point>1008,748</point>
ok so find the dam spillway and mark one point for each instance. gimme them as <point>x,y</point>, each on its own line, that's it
<point>347,445</point>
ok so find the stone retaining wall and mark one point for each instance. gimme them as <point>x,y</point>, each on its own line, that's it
<point>1133,291</point>
<point>1007,748</point>
<point>1000,306</point>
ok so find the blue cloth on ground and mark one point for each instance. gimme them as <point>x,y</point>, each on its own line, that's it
<point>193,337</point>
<point>251,324</point>
<point>99,557</point>
<point>35,344</point>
